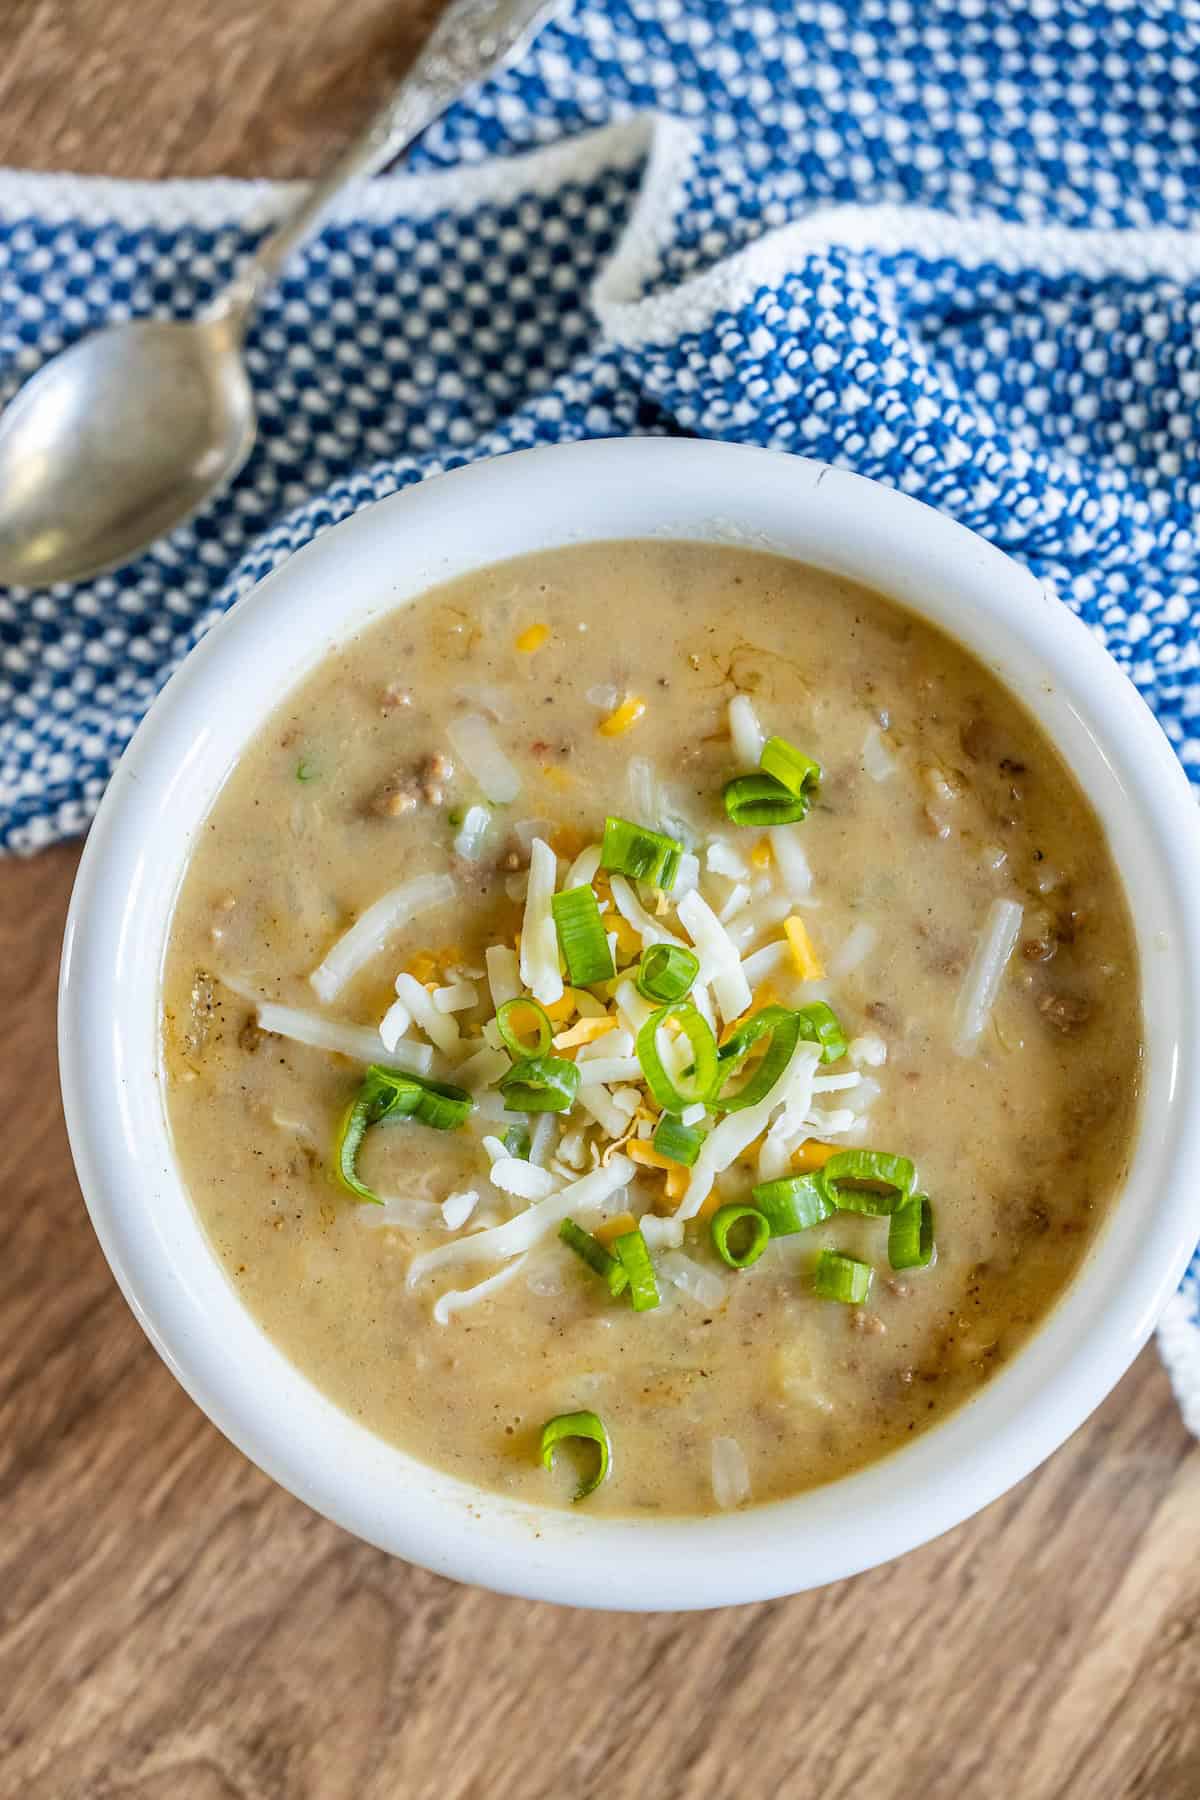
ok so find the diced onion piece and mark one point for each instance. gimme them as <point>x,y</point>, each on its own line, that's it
<point>513,1175</point>
<point>747,734</point>
<point>468,841</point>
<point>437,1025</point>
<point>687,875</point>
<point>877,759</point>
<point>603,695</point>
<point>627,1100</point>
<point>582,871</point>
<point>458,1299</point>
<point>695,1114</point>
<point>699,1284</point>
<point>662,1234</point>
<point>458,997</point>
<point>738,1130</point>
<point>483,1069</point>
<point>457,1208</point>
<point>503,973</point>
<point>832,1084</point>
<point>854,950</point>
<point>394,1023</point>
<point>643,791</point>
<point>651,931</point>
<point>539,939</point>
<point>589,1194</point>
<point>525,830</point>
<point>981,983</point>
<point>370,932</point>
<point>478,748</point>
<point>358,1041</point>
<point>868,1049</point>
<point>721,967</point>
<point>730,1476</point>
<point>720,858</point>
<point>791,860</point>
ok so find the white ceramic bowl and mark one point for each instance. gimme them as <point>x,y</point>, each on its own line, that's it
<point>131,871</point>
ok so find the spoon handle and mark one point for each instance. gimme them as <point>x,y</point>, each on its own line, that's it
<point>472,39</point>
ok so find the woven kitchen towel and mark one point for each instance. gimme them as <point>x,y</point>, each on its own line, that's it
<point>951,245</point>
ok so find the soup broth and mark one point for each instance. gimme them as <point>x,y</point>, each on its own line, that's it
<point>948,899</point>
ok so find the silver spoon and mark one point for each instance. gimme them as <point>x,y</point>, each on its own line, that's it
<point>123,436</point>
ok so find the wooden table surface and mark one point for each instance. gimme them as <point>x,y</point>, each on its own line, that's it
<point>174,1627</point>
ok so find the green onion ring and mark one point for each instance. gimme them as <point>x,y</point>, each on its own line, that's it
<point>703,1046</point>
<point>631,1252</point>
<point>581,936</point>
<point>593,1253</point>
<point>586,1425</point>
<point>799,774</point>
<point>839,1277</point>
<point>868,1181</point>
<point>819,1024</point>
<point>666,972</point>
<point>761,800</point>
<point>910,1234</point>
<point>510,1033</point>
<point>678,1141</point>
<point>784,1026</point>
<point>540,1084</point>
<point>793,1203</point>
<point>643,855</point>
<point>393,1094</point>
<point>724,1221</point>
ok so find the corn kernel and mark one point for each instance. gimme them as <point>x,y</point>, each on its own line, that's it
<point>627,714</point>
<point>809,966</point>
<point>532,638</point>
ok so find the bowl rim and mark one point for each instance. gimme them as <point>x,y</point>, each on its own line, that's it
<point>124,893</point>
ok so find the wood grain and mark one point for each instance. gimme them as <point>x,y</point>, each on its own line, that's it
<point>173,1627</point>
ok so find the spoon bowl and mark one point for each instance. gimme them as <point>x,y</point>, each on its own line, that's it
<point>116,441</point>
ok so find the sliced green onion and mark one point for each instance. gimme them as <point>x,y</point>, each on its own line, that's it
<point>839,1277</point>
<point>392,1094</point>
<point>784,1027</point>
<point>666,972</point>
<point>631,1252</point>
<point>727,1219</point>
<point>703,1046</point>
<point>798,773</point>
<point>641,854</point>
<point>540,1084</point>
<point>678,1141</point>
<point>868,1181</point>
<point>910,1234</point>
<point>516,1141</point>
<point>793,1203</point>
<point>305,770</point>
<point>509,1020</point>
<point>819,1024</point>
<point>581,936</point>
<point>761,800</point>
<point>594,1255</point>
<point>586,1425</point>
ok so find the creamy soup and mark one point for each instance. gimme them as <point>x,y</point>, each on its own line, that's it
<point>833,1071</point>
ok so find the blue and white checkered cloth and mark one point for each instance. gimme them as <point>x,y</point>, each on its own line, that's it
<point>951,245</point>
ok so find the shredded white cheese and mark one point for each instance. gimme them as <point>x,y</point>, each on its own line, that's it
<point>370,933</point>
<point>791,860</point>
<point>981,983</point>
<point>469,840</point>
<point>650,930</point>
<point>747,734</point>
<point>539,939</point>
<point>582,871</point>
<point>458,1299</point>
<point>459,996</point>
<point>394,1023</point>
<point>503,973</point>
<point>358,1041</point>
<point>438,1026</point>
<point>737,1130</point>
<point>457,1208</point>
<point>721,966</point>
<point>854,950</point>
<point>589,1194</point>
<point>483,1069</point>
<point>513,1175</point>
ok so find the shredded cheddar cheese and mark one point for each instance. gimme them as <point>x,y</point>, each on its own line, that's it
<point>760,856</point>
<point>627,714</point>
<point>812,1154</point>
<point>584,1031</point>
<point>809,966</point>
<point>616,1227</point>
<point>532,638</point>
<point>642,1151</point>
